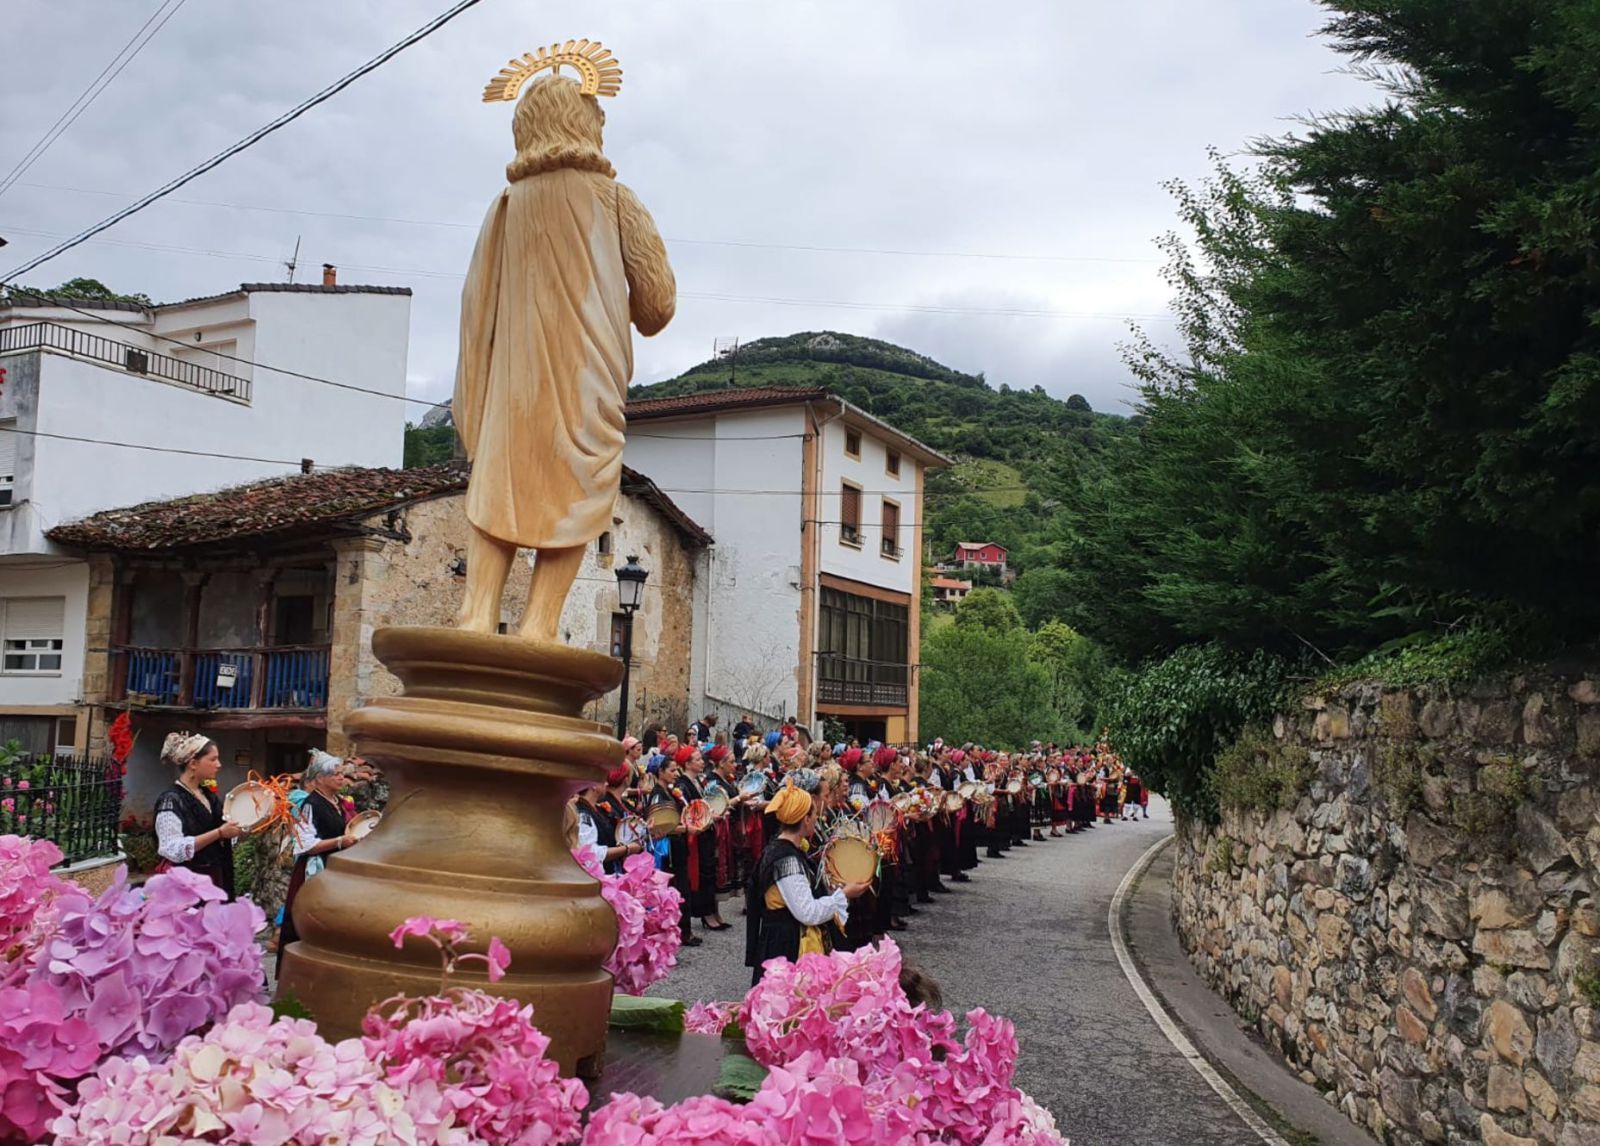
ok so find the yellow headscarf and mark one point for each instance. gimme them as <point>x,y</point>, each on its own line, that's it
<point>790,805</point>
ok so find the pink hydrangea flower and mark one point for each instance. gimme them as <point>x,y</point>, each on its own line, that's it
<point>647,909</point>
<point>485,1060</point>
<point>709,1018</point>
<point>251,1079</point>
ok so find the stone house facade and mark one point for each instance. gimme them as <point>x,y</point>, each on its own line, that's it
<point>247,614</point>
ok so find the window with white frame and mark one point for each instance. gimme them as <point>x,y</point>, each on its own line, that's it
<point>31,634</point>
<point>8,459</point>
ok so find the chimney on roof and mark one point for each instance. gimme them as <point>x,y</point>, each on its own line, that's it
<point>330,275</point>
<point>307,465</point>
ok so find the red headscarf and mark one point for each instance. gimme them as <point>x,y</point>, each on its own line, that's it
<point>717,754</point>
<point>885,756</point>
<point>851,759</point>
<point>619,774</point>
<point>685,754</point>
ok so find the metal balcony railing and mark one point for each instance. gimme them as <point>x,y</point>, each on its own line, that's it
<point>852,680</point>
<point>124,356</point>
<point>289,677</point>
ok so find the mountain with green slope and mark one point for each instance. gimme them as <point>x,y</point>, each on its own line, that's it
<point>1017,451</point>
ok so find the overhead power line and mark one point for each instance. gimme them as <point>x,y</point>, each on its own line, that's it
<point>91,93</point>
<point>909,252</point>
<point>709,296</point>
<point>248,141</point>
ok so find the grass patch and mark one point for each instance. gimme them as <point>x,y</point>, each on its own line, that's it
<point>1423,658</point>
<point>1398,771</point>
<point>1586,985</point>
<point>1259,773</point>
<point>1489,814</point>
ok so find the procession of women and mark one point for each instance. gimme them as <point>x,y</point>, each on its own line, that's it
<point>828,847</point>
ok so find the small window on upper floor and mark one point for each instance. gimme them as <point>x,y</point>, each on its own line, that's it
<point>602,544</point>
<point>891,463</point>
<point>31,634</point>
<point>8,460</point>
<point>852,443</point>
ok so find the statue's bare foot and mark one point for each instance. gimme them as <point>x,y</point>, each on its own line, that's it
<point>539,629</point>
<point>476,621</point>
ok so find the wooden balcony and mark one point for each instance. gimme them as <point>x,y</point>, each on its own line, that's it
<point>854,681</point>
<point>286,678</point>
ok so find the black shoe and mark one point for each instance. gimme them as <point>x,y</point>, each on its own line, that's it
<point>994,854</point>
<point>924,897</point>
<point>941,889</point>
<point>913,911</point>
<point>693,941</point>
<point>962,877</point>
<point>1019,843</point>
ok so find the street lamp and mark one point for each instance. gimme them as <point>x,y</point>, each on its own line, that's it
<point>630,594</point>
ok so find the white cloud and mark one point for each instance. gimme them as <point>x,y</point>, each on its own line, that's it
<point>1027,128</point>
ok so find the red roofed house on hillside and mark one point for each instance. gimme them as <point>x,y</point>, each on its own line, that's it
<point>246,614</point>
<point>950,590</point>
<point>979,554</point>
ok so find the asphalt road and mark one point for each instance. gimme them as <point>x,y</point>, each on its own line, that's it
<point>1028,939</point>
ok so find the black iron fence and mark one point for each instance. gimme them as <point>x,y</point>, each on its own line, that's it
<point>73,801</point>
<point>82,344</point>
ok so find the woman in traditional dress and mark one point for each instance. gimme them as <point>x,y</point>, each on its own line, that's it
<point>190,830</point>
<point>319,831</point>
<point>673,844</point>
<point>599,809</point>
<point>702,863</point>
<point>784,918</point>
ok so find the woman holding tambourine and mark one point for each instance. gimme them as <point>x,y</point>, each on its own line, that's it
<point>784,919</point>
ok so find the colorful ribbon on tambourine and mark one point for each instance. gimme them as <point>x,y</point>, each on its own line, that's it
<point>282,810</point>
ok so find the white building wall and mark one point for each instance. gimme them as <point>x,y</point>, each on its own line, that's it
<point>739,475</point>
<point>55,578</point>
<point>356,338</point>
<point>867,563</point>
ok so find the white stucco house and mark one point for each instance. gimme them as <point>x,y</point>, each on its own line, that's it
<point>98,403</point>
<point>807,605</point>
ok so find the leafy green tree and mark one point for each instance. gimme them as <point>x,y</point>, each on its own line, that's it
<point>1386,416</point>
<point>990,609</point>
<point>979,684</point>
<point>429,446</point>
<point>93,290</point>
<point>1042,594</point>
<point>1077,668</point>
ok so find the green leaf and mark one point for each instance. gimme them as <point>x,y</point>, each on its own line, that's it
<point>287,1006</point>
<point>739,1079</point>
<point>640,1013</point>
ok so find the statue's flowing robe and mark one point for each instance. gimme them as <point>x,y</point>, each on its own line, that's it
<point>546,354</point>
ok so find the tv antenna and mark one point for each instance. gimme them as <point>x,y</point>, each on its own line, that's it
<point>727,348</point>
<point>294,259</point>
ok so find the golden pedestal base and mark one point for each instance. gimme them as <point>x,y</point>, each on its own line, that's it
<point>481,754</point>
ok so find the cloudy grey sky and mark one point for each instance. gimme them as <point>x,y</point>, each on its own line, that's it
<point>973,160</point>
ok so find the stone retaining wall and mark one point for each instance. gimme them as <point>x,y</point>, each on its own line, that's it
<point>1418,934</point>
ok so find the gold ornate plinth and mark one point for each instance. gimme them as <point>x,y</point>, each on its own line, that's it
<point>481,754</point>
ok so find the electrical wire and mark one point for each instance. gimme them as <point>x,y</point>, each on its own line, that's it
<point>150,449</point>
<point>473,226</point>
<point>822,303</point>
<point>248,141</point>
<point>80,105</point>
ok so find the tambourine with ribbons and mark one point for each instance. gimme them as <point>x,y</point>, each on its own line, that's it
<point>260,803</point>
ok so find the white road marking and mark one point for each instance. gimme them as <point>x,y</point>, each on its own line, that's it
<point>1164,1021</point>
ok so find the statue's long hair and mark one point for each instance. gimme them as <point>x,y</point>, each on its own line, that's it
<point>557,126</point>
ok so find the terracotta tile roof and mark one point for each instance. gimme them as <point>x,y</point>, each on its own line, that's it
<point>708,401</point>
<point>949,583</point>
<point>299,502</point>
<point>305,504</point>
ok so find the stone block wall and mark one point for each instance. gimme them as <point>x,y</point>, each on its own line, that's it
<point>1419,933</point>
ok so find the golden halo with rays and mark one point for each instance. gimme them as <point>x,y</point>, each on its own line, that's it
<point>598,69</point>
